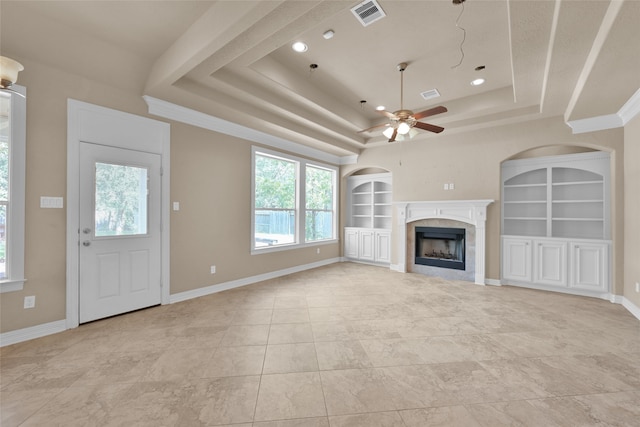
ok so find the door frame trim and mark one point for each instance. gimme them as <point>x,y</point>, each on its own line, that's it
<point>150,136</point>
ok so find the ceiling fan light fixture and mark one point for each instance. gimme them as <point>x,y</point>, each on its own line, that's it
<point>299,47</point>
<point>388,132</point>
<point>9,70</point>
<point>404,128</point>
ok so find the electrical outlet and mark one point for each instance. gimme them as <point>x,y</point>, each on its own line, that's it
<point>318,250</point>
<point>213,269</point>
<point>637,286</point>
<point>30,301</point>
<point>451,186</point>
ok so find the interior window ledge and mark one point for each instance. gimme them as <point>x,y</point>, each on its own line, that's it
<point>9,285</point>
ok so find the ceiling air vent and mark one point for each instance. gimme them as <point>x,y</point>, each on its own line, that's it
<point>430,94</point>
<point>368,12</point>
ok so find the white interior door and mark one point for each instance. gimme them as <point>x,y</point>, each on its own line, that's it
<point>120,231</point>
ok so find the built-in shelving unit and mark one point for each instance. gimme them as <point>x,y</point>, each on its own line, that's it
<point>555,200</point>
<point>369,209</point>
<point>555,215</point>
<point>370,201</point>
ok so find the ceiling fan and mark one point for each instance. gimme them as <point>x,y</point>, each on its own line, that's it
<point>402,121</point>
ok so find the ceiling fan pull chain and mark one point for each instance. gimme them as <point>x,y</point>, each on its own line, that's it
<point>402,89</point>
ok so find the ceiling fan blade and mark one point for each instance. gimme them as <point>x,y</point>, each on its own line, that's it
<point>430,112</point>
<point>374,127</point>
<point>393,136</point>
<point>388,114</point>
<point>430,128</point>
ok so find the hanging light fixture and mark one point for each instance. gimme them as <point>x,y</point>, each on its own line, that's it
<point>388,132</point>
<point>9,70</point>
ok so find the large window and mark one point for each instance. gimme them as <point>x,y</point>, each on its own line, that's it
<point>12,169</point>
<point>294,201</point>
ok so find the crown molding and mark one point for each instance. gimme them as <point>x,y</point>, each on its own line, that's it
<point>629,110</point>
<point>188,116</point>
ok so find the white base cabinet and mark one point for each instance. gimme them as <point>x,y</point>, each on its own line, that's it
<point>589,271</point>
<point>573,266</point>
<point>367,244</point>
<point>550,262</point>
<point>351,242</point>
<point>516,259</point>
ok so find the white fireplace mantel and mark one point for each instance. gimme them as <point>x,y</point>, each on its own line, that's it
<point>472,212</point>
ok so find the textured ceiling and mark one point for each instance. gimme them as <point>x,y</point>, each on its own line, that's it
<point>232,59</point>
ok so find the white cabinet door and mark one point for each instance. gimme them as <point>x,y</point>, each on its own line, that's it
<point>516,259</point>
<point>366,245</point>
<point>350,243</point>
<point>383,246</point>
<point>589,263</point>
<point>550,262</point>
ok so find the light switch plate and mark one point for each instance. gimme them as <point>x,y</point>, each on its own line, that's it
<point>51,202</point>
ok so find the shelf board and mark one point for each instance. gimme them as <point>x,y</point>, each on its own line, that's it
<point>577,219</point>
<point>525,218</point>
<point>544,184</point>
<point>576,183</point>
<point>579,201</point>
<point>508,202</point>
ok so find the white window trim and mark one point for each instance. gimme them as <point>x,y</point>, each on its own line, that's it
<point>300,207</point>
<point>15,213</point>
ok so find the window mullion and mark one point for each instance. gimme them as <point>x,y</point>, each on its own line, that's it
<point>302,205</point>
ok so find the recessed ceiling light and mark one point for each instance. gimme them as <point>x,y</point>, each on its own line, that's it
<point>477,82</point>
<point>380,107</point>
<point>299,47</point>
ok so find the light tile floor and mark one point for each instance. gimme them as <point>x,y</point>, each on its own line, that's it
<point>343,345</point>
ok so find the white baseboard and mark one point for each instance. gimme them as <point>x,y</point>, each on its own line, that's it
<point>492,282</point>
<point>633,309</point>
<point>38,331</point>
<point>616,299</point>
<point>208,290</point>
<point>397,267</point>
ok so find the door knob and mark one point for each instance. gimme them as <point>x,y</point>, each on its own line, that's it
<point>86,243</point>
<point>86,230</point>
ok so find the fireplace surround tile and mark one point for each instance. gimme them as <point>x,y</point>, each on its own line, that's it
<point>468,214</point>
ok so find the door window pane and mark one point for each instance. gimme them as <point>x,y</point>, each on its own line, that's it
<point>120,200</point>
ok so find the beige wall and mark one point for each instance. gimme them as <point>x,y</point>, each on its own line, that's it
<point>45,229</point>
<point>472,162</point>
<point>210,177</point>
<point>211,180</point>
<point>632,210</point>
